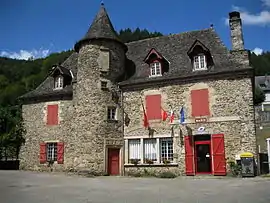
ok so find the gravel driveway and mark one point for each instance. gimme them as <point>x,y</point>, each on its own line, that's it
<point>31,187</point>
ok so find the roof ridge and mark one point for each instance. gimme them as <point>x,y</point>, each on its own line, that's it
<point>169,35</point>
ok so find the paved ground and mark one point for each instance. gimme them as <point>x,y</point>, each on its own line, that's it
<point>29,187</point>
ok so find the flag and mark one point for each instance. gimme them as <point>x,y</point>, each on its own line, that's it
<point>145,119</point>
<point>182,115</point>
<point>164,114</point>
<point>172,116</point>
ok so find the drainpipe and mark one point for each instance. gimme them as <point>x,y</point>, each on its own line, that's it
<point>268,151</point>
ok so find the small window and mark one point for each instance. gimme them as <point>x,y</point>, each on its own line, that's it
<point>103,85</point>
<point>166,151</point>
<point>51,151</point>
<point>111,113</point>
<point>155,69</point>
<point>58,82</point>
<point>262,85</point>
<point>200,62</point>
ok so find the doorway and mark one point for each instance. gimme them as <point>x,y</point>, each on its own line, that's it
<point>203,157</point>
<point>113,161</point>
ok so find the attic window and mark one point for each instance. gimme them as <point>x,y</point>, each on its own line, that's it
<point>58,82</point>
<point>262,85</point>
<point>199,62</point>
<point>155,69</point>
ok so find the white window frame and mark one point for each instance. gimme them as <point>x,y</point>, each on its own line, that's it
<point>58,82</point>
<point>135,154</point>
<point>166,149</point>
<point>140,151</point>
<point>112,113</point>
<point>155,69</point>
<point>51,151</point>
<point>199,62</point>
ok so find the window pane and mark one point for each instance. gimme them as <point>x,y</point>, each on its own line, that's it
<point>202,61</point>
<point>134,150</point>
<point>166,152</point>
<point>51,151</point>
<point>111,113</point>
<point>150,149</point>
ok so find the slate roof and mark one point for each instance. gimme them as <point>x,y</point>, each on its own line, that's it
<point>45,89</point>
<point>101,28</point>
<point>174,48</point>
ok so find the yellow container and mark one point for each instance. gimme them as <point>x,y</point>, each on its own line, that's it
<point>246,155</point>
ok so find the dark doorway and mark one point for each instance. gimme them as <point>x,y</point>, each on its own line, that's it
<point>203,157</point>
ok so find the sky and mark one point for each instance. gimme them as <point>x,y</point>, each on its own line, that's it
<point>34,28</point>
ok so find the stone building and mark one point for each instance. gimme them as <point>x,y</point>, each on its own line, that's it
<point>115,108</point>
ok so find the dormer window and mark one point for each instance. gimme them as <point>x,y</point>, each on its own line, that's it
<point>155,69</point>
<point>58,82</point>
<point>200,56</point>
<point>157,63</point>
<point>200,62</point>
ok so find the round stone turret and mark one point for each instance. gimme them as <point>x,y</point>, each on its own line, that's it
<point>101,61</point>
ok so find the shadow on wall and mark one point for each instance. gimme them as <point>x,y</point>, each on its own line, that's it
<point>9,165</point>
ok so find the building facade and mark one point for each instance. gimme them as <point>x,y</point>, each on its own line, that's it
<point>116,108</point>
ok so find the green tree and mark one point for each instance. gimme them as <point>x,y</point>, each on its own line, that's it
<point>259,96</point>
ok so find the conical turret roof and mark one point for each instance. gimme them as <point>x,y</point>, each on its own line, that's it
<point>101,28</point>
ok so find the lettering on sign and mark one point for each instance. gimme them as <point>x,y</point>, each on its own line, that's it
<point>114,142</point>
<point>200,120</point>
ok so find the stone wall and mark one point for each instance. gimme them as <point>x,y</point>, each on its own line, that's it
<point>93,132</point>
<point>231,107</point>
<point>34,116</point>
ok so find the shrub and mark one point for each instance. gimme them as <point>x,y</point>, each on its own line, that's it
<point>167,174</point>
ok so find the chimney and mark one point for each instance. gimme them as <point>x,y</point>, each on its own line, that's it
<point>236,31</point>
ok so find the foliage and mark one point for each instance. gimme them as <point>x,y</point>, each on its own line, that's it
<point>259,96</point>
<point>234,168</point>
<point>127,35</point>
<point>167,174</point>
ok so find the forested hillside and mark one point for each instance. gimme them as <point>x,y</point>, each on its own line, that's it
<point>20,76</point>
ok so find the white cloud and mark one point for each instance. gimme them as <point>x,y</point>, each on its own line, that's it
<point>257,51</point>
<point>24,54</point>
<point>261,18</point>
<point>266,2</point>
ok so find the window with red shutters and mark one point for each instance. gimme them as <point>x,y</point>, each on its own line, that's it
<point>200,102</point>
<point>60,152</point>
<point>153,106</point>
<point>52,114</point>
<point>42,153</point>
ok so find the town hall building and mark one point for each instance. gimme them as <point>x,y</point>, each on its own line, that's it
<point>181,103</point>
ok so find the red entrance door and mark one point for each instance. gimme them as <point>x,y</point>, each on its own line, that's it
<point>203,163</point>
<point>218,152</point>
<point>113,161</point>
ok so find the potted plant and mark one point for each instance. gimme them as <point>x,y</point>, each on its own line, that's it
<point>149,161</point>
<point>134,161</point>
<point>166,161</point>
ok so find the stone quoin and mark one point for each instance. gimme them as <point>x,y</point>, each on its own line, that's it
<point>115,108</point>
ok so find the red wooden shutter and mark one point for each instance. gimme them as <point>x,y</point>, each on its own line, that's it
<point>218,153</point>
<point>42,153</point>
<point>153,106</point>
<point>60,152</point>
<point>52,114</point>
<point>189,155</point>
<point>200,102</point>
